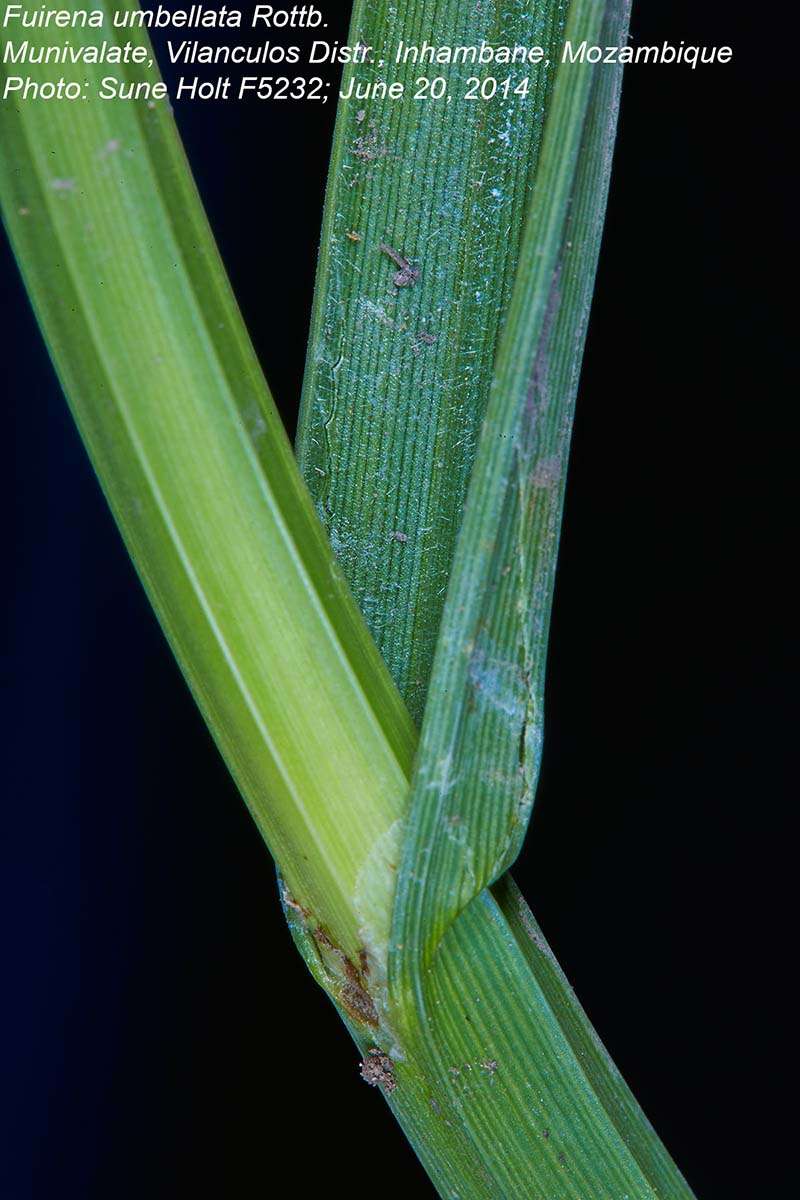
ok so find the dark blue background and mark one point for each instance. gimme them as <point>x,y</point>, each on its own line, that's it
<point>161,1036</point>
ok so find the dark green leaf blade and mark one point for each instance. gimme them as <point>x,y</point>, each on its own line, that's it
<point>446,184</point>
<point>477,764</point>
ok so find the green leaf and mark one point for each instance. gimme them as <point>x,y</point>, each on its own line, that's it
<point>153,356</point>
<point>397,377</point>
<point>487,684</point>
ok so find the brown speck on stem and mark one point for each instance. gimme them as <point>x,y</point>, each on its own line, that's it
<point>357,1003</point>
<point>427,338</point>
<point>353,236</point>
<point>351,987</point>
<point>407,275</point>
<point>290,902</point>
<point>323,939</point>
<point>377,1070</point>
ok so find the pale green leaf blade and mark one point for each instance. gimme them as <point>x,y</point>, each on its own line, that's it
<point>153,356</point>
